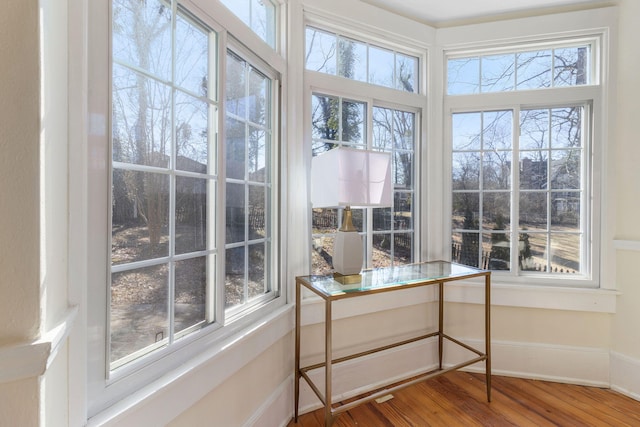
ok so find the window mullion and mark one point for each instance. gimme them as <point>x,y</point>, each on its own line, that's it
<point>172,182</point>
<point>515,194</point>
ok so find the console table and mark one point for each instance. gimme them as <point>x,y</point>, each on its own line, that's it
<point>380,280</point>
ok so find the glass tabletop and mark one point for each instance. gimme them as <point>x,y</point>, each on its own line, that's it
<point>391,277</point>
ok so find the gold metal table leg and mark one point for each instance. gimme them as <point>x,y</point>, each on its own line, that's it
<point>487,336</point>
<point>440,322</point>
<point>328,351</point>
<point>297,355</point>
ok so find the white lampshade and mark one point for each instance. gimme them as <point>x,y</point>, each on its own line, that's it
<point>351,177</point>
<point>348,177</point>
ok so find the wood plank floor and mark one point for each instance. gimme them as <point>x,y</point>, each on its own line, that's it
<point>459,399</point>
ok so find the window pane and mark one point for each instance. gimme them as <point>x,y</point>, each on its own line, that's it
<point>533,170</point>
<point>565,169</point>
<point>192,134</point>
<point>190,292</point>
<point>465,248</point>
<point>531,249</point>
<point>382,250</point>
<point>353,122</point>
<point>402,248</point>
<point>141,35</point>
<point>497,255</point>
<point>325,114</point>
<point>235,213</point>
<point>381,219</point>
<point>496,211</point>
<point>257,269</point>
<point>322,254</point>
<point>191,215</point>
<point>565,249</point>
<point>235,148</point>
<point>381,67</point>
<point>533,211</point>
<point>236,99</point>
<point>140,216</point>
<point>257,214</point>
<point>566,127</point>
<point>466,131</point>
<point>321,51</point>
<point>139,320</point>
<point>403,211</point>
<point>407,73</point>
<point>571,66</point>
<point>497,73</point>
<point>402,170</point>
<point>259,15</point>
<point>257,155</point>
<point>357,218</point>
<point>404,130</point>
<point>496,170</point>
<point>352,59</point>
<point>534,69</point>
<point>466,208</point>
<point>383,128</point>
<point>234,293</point>
<point>324,220</point>
<point>565,211</point>
<point>497,130</point>
<point>259,97</point>
<point>534,129</point>
<point>263,21</point>
<point>466,171</point>
<point>192,59</point>
<point>141,119</point>
<point>463,76</point>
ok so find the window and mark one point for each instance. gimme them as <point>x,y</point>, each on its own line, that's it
<point>259,15</point>
<point>521,175</point>
<point>356,60</point>
<point>249,186</point>
<point>193,214</point>
<point>388,232</point>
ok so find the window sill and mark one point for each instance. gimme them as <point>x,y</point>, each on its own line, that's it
<point>528,296</point>
<point>469,292</point>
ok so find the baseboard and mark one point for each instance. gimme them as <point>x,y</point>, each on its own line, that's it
<point>560,363</point>
<point>625,375</point>
<point>567,364</point>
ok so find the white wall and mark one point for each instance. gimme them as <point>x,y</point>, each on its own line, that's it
<point>19,165</point>
<point>19,202</point>
<point>625,338</point>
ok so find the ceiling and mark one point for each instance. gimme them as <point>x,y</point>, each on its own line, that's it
<point>441,13</point>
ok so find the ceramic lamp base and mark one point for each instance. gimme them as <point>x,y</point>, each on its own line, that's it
<point>347,253</point>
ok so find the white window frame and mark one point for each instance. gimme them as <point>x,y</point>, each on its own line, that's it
<point>102,391</point>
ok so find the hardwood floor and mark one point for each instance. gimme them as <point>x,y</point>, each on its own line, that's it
<point>459,399</point>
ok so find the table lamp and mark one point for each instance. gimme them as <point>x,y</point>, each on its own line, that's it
<point>347,177</point>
